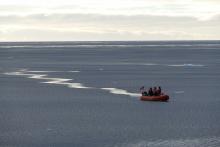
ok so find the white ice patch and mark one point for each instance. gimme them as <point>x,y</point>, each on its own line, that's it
<point>197,142</point>
<point>172,65</point>
<point>186,65</point>
<point>150,64</point>
<point>179,92</point>
<point>121,92</point>
<point>132,63</point>
<point>74,71</point>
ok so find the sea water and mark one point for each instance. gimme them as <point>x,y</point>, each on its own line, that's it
<point>87,94</point>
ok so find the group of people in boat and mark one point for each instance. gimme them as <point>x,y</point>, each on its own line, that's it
<point>156,91</point>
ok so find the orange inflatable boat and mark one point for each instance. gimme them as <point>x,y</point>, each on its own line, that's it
<point>155,98</point>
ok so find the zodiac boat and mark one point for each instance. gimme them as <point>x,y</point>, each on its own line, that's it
<point>155,98</point>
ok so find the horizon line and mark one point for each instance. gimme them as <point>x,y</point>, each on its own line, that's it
<point>110,40</point>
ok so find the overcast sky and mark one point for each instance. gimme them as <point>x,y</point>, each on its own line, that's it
<point>70,20</point>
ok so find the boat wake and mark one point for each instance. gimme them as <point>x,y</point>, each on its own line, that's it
<point>48,80</point>
<point>65,82</point>
<point>121,92</point>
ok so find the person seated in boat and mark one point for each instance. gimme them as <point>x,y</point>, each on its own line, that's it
<point>159,90</point>
<point>155,91</point>
<point>143,91</point>
<point>150,92</point>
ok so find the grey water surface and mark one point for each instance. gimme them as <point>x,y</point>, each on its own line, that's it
<point>53,94</point>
